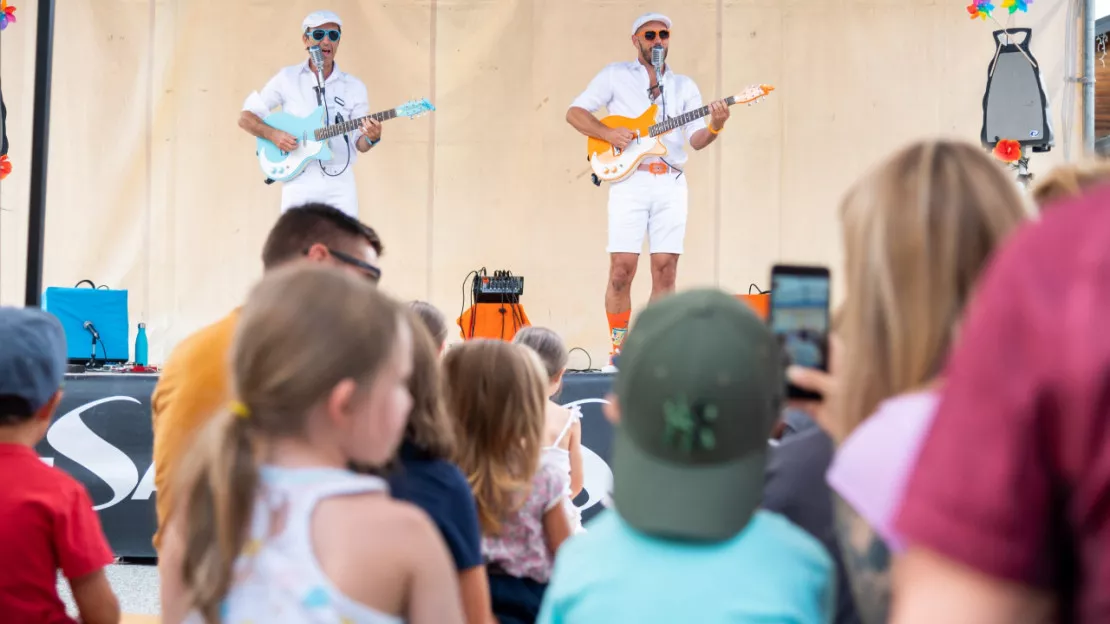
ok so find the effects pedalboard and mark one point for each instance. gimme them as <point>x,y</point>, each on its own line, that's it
<point>501,287</point>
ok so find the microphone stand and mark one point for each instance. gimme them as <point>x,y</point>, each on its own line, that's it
<point>317,58</point>
<point>320,97</point>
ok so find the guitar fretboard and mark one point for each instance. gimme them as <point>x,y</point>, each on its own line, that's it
<point>674,122</point>
<point>351,125</point>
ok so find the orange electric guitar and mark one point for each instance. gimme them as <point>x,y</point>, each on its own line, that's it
<point>611,164</point>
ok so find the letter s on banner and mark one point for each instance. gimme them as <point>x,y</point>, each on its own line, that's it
<point>70,436</point>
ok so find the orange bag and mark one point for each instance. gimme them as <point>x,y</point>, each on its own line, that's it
<point>492,320</point>
<point>760,301</point>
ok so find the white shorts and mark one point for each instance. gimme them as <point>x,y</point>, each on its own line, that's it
<point>646,203</point>
<point>312,185</point>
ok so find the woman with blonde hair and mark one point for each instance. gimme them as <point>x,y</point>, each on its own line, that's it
<point>918,231</point>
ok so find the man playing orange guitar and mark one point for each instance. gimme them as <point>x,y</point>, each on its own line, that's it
<point>653,198</point>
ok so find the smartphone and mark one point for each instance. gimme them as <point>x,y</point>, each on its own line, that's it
<point>799,318</point>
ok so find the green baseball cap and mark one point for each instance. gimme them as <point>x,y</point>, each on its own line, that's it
<point>700,387</point>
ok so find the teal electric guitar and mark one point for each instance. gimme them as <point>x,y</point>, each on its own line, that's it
<point>312,133</point>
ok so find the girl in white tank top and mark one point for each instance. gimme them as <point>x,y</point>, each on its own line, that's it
<point>563,433</point>
<point>270,526</point>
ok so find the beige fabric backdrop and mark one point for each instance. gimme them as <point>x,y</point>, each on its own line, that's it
<point>153,188</point>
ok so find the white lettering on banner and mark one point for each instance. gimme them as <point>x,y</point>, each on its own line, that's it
<point>146,486</point>
<point>70,436</point>
<point>598,477</point>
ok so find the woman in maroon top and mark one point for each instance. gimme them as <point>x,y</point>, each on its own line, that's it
<point>1007,512</point>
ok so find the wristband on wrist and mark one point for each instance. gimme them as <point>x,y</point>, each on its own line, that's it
<point>711,130</point>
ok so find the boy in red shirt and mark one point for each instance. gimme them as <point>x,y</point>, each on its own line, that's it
<point>48,522</point>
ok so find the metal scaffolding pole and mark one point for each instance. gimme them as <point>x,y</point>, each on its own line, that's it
<point>1089,18</point>
<point>40,143</point>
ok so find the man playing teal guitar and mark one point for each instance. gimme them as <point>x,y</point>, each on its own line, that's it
<point>307,146</point>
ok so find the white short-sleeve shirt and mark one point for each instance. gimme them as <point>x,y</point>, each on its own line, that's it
<point>293,89</point>
<point>622,89</point>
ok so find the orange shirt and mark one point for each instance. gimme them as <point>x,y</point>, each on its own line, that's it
<point>193,387</point>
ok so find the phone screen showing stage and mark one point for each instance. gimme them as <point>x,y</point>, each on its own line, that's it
<point>799,315</point>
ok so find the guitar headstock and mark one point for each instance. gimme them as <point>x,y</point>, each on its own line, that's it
<point>754,93</point>
<point>415,108</point>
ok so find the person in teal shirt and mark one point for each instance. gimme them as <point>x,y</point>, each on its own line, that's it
<point>699,389</point>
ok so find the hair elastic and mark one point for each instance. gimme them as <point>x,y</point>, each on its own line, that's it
<point>240,409</point>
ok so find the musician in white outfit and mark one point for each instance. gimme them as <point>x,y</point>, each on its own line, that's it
<point>653,199</point>
<point>294,89</point>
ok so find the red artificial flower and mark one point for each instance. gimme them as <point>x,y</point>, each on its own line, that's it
<point>1008,151</point>
<point>5,167</point>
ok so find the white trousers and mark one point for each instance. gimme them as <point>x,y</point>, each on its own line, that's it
<point>646,203</point>
<point>314,186</point>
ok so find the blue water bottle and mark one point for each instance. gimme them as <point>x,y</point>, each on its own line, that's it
<point>140,346</point>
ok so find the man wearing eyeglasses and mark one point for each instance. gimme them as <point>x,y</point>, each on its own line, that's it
<point>195,381</point>
<point>653,199</point>
<point>296,91</point>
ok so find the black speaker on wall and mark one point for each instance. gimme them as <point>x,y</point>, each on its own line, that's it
<point>1015,106</point>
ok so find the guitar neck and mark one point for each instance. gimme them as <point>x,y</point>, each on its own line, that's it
<point>675,122</point>
<point>351,125</point>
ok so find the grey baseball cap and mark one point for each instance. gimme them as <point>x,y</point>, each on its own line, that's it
<point>32,356</point>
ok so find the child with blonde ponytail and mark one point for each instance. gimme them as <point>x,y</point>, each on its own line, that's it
<point>271,526</point>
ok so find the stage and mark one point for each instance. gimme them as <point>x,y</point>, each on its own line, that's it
<point>101,434</point>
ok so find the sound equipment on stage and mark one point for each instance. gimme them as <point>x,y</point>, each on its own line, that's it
<point>1015,105</point>
<point>96,314</point>
<point>760,301</point>
<point>501,288</point>
<point>495,310</point>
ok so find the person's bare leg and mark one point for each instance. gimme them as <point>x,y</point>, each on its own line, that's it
<point>664,269</point>
<point>618,296</point>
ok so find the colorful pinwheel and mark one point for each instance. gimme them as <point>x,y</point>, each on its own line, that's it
<point>1017,5</point>
<point>7,14</point>
<point>980,9</point>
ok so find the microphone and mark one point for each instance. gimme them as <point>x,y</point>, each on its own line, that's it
<point>89,327</point>
<point>657,58</point>
<point>318,61</point>
<point>317,58</point>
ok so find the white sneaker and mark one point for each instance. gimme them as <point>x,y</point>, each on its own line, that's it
<point>608,368</point>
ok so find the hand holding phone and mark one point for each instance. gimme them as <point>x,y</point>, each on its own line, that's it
<point>799,319</point>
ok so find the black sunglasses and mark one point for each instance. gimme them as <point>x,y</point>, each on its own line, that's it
<point>320,33</point>
<point>373,273</point>
<point>663,34</point>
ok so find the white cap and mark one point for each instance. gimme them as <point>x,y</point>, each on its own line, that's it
<point>650,17</point>
<point>316,18</point>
